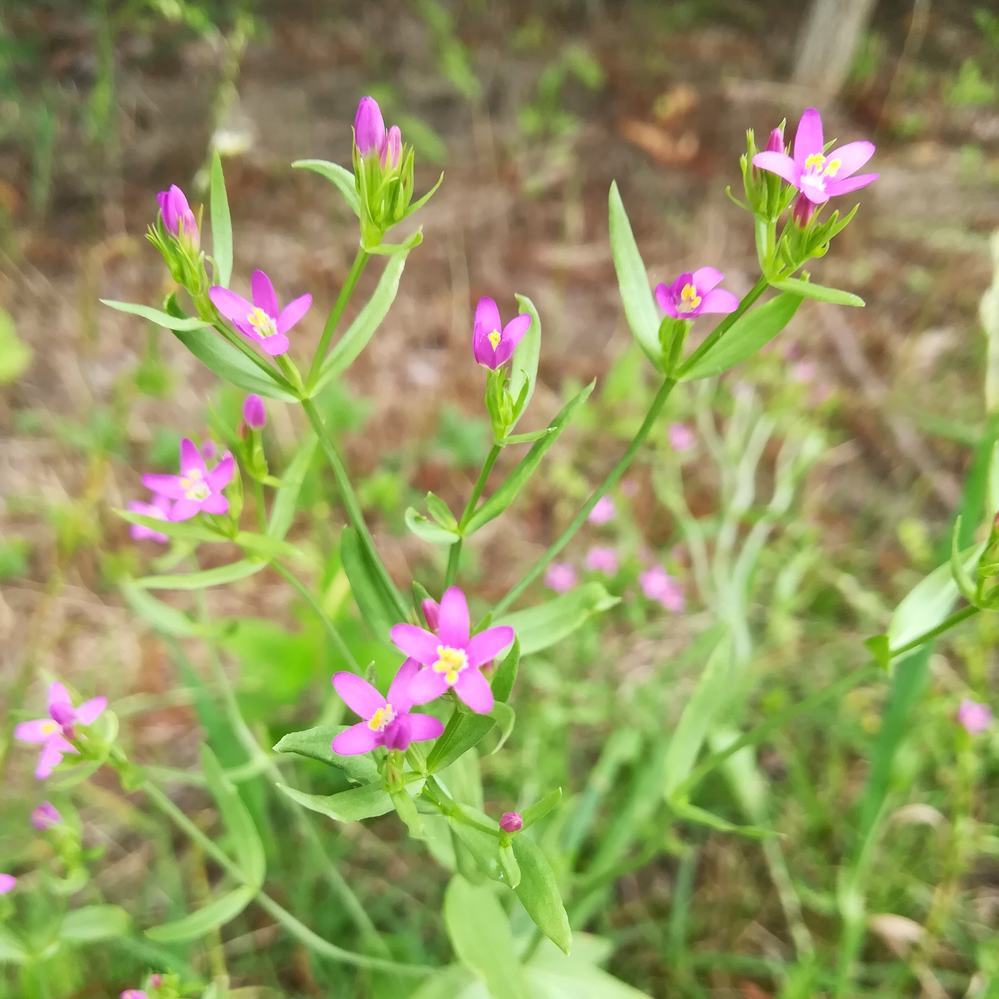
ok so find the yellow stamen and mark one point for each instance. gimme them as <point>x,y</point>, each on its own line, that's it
<point>450,662</point>
<point>382,718</point>
<point>494,338</point>
<point>689,299</point>
<point>815,162</point>
<point>263,324</point>
<point>832,168</point>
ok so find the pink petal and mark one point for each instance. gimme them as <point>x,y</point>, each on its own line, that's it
<point>51,756</point>
<point>293,312</point>
<point>273,345</point>
<point>415,643</point>
<point>35,731</point>
<point>808,139</point>
<point>164,485</point>
<point>851,183</point>
<point>452,622</point>
<point>190,458</point>
<point>58,694</point>
<point>815,194</point>
<point>398,693</point>
<point>184,509</point>
<point>264,295</point>
<point>221,475</point>
<point>487,316</point>
<point>89,711</point>
<point>356,739</point>
<point>427,686</point>
<point>358,694</point>
<point>719,300</point>
<point>423,727</point>
<point>514,330</point>
<point>488,644</point>
<point>780,164</point>
<point>503,353</point>
<point>664,299</point>
<point>473,688</point>
<point>482,350</point>
<point>852,157</point>
<point>234,307</point>
<point>216,504</point>
<point>706,278</point>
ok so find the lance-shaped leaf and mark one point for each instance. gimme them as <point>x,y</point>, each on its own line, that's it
<point>819,292</point>
<point>316,744</point>
<point>524,366</point>
<point>286,498</point>
<point>549,623</point>
<point>373,600</point>
<point>427,530</point>
<point>221,224</point>
<point>365,802</point>
<point>92,923</point>
<point>245,840</point>
<point>538,892</point>
<point>218,576</point>
<point>160,318</point>
<point>198,924</point>
<point>340,177</point>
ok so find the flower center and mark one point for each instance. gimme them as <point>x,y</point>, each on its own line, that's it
<point>382,718</point>
<point>450,662</point>
<point>689,299</point>
<point>50,727</point>
<point>494,338</point>
<point>263,324</point>
<point>818,168</point>
<point>194,485</point>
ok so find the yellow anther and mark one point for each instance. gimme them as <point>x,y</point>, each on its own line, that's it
<point>832,168</point>
<point>494,338</point>
<point>815,162</point>
<point>263,324</point>
<point>689,299</point>
<point>450,662</point>
<point>382,718</point>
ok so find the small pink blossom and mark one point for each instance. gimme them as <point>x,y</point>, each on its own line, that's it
<point>696,293</point>
<point>254,412</point>
<point>159,509</point>
<point>55,732</point>
<point>603,511</point>
<point>7,883</point>
<point>658,585</point>
<point>134,994</point>
<point>263,320</point>
<point>511,822</point>
<point>196,489</point>
<point>974,716</point>
<point>493,343</point>
<point>45,816</point>
<point>681,437</point>
<point>602,558</point>
<point>176,215</point>
<point>561,577</point>
<point>775,143</point>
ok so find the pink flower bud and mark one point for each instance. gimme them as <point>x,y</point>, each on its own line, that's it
<point>45,816</point>
<point>391,152</point>
<point>775,144</point>
<point>254,413</point>
<point>511,822</point>
<point>803,210</point>
<point>974,717</point>
<point>431,613</point>
<point>178,219</point>
<point>369,127</point>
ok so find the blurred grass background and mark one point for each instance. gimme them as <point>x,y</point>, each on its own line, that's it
<point>827,471</point>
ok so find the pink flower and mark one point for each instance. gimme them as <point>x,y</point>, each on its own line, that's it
<point>658,585</point>
<point>974,717</point>
<point>511,822</point>
<point>681,437</point>
<point>254,412</point>
<point>603,511</point>
<point>452,658</point>
<point>196,489</point>
<point>176,214</point>
<point>696,293</point>
<point>45,816</point>
<point>387,720</point>
<point>261,320</point>
<point>601,558</point>
<point>53,733</point>
<point>561,577</point>
<point>493,343</point>
<point>817,175</point>
<point>158,508</point>
<point>134,994</point>
<point>371,137</point>
<point>7,883</point>
<point>775,144</point>
<point>431,613</point>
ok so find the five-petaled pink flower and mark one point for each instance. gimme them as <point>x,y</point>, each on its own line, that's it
<point>451,656</point>
<point>176,214</point>
<point>695,293</point>
<point>45,815</point>
<point>159,508</point>
<point>387,721</point>
<point>196,489</point>
<point>371,137</point>
<point>818,175</point>
<point>53,733</point>
<point>658,585</point>
<point>603,511</point>
<point>261,320</point>
<point>974,716</point>
<point>7,883</point>
<point>561,577</point>
<point>602,558</point>
<point>493,343</point>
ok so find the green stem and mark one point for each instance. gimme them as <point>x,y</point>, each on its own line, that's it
<point>608,483</point>
<point>454,555</point>
<point>261,504</point>
<point>956,618</point>
<point>351,503</point>
<point>334,317</point>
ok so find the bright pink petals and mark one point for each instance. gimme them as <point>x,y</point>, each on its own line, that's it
<point>197,489</point>
<point>492,343</point>
<point>55,732</point>
<point>261,320</point>
<point>176,215</point>
<point>7,883</point>
<point>369,127</point>
<point>695,293</point>
<point>45,816</point>
<point>658,585</point>
<point>603,511</point>
<point>561,577</point>
<point>511,822</point>
<point>974,717</point>
<point>602,558</point>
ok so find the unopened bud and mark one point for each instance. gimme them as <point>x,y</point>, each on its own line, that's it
<point>511,822</point>
<point>775,144</point>
<point>254,413</point>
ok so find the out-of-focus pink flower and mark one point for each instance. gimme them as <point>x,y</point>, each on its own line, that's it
<point>45,816</point>
<point>158,508</point>
<point>7,883</point>
<point>263,320</point>
<point>53,733</point>
<point>493,343</point>
<point>134,994</point>
<point>178,219</point>
<point>603,511</point>
<point>196,489</point>
<point>658,585</point>
<point>974,716</point>
<point>696,293</point>
<point>511,822</point>
<point>451,656</point>
<point>602,558</point>
<point>817,175</point>
<point>254,413</point>
<point>561,577</point>
<point>387,720</point>
<point>681,437</point>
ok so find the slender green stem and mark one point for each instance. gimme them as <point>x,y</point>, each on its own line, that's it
<point>251,355</point>
<point>454,555</point>
<point>351,503</point>
<point>609,482</point>
<point>956,618</point>
<point>334,317</point>
<point>261,504</point>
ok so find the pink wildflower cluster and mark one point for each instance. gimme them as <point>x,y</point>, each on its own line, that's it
<point>56,733</point>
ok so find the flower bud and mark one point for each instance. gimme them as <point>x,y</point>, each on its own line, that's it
<point>431,613</point>
<point>803,210</point>
<point>45,816</point>
<point>391,152</point>
<point>178,219</point>
<point>511,822</point>
<point>254,413</point>
<point>775,144</point>
<point>369,127</point>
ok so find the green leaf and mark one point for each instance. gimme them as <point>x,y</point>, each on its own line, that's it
<point>315,744</point>
<point>553,975</point>
<point>506,673</point>
<point>633,280</point>
<point>547,624</point>
<point>745,337</point>
<point>201,580</point>
<point>702,817</point>
<point>958,569</point>
<point>362,329</point>
<point>375,604</point>
<point>337,175</point>
<point>538,893</point>
<point>441,512</point>
<point>246,843</point>
<point>426,530</point>
<point>524,368</point>
<point>221,224</point>
<point>480,934</point>
<point>463,731</point>
<point>819,292</point>
<point>529,438</point>
<point>505,718</point>
<point>201,922</point>
<point>507,493</point>
<point>12,951</point>
<point>477,851</point>
<point>15,354</point>
<point>357,803</point>
<point>161,616</point>
<point>509,866</point>
<point>537,811</point>
<point>178,324</point>
<point>233,366</point>
<point>879,648</point>
<point>94,922</point>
